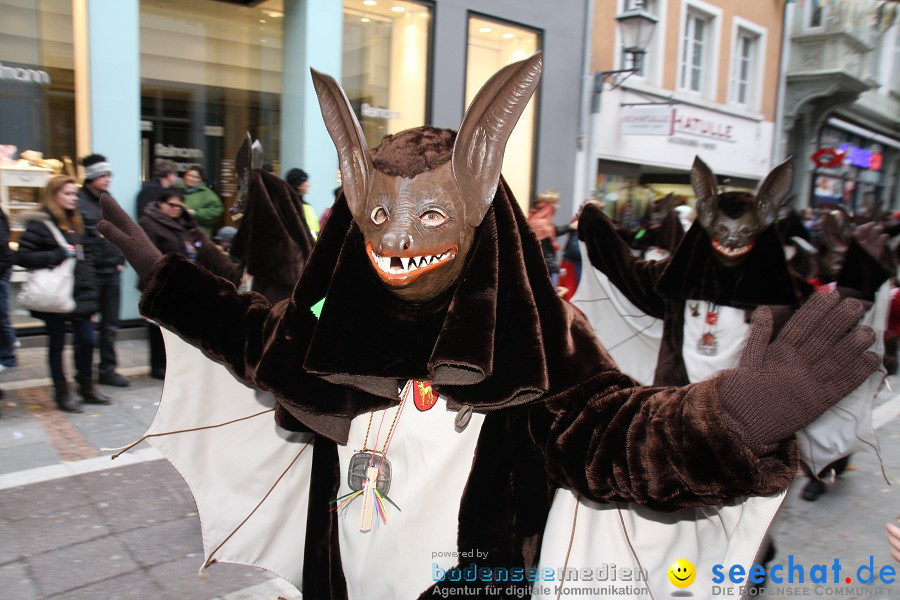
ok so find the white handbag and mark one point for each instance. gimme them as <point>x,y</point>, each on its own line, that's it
<point>50,290</point>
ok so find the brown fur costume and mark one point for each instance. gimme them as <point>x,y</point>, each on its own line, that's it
<point>499,342</point>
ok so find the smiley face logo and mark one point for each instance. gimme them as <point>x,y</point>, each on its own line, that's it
<point>682,573</point>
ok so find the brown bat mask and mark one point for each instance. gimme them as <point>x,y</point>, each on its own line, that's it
<point>734,220</point>
<point>419,220</point>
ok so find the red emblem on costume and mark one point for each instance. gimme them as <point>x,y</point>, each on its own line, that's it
<point>423,395</point>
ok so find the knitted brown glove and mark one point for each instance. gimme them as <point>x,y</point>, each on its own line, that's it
<point>818,358</point>
<point>872,238</point>
<point>122,231</point>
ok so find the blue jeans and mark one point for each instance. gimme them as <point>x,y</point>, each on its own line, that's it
<point>7,333</point>
<point>83,338</point>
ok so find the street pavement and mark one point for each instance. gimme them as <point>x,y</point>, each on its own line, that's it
<point>75,525</point>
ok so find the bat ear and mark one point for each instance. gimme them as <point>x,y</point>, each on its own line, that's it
<point>706,191</point>
<point>489,121</point>
<point>243,164</point>
<point>353,152</point>
<point>773,191</point>
<point>256,155</point>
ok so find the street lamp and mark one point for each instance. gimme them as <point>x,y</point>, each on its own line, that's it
<point>636,27</point>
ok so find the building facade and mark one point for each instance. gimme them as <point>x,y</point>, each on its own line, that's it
<point>842,103</point>
<point>707,86</point>
<point>137,80</point>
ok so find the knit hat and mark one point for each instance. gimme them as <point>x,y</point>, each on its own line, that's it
<point>296,177</point>
<point>550,195</point>
<point>225,234</point>
<point>95,166</point>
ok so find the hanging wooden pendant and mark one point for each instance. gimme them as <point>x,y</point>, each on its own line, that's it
<point>708,345</point>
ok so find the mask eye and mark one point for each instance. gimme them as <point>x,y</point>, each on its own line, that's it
<point>379,215</point>
<point>433,218</point>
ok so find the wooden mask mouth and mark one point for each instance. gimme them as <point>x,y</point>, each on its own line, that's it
<point>401,270</point>
<point>732,252</point>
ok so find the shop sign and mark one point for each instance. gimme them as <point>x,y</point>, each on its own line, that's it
<point>378,112</point>
<point>170,151</point>
<point>828,158</point>
<point>831,158</point>
<point>862,158</point>
<point>23,75</point>
<point>706,126</point>
<point>647,120</point>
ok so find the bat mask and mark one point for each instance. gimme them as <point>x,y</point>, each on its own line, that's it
<point>734,220</point>
<point>418,218</point>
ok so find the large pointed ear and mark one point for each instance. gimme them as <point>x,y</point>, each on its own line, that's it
<point>706,191</point>
<point>256,155</point>
<point>353,153</point>
<point>242,166</point>
<point>773,191</point>
<point>242,163</point>
<point>481,141</point>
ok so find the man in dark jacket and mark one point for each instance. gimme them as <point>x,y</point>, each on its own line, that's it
<point>165,176</point>
<point>110,264</point>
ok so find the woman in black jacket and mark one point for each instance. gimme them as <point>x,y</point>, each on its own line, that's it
<point>38,249</point>
<point>173,230</point>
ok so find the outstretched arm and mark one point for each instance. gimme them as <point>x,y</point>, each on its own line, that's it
<point>609,253</point>
<point>727,436</point>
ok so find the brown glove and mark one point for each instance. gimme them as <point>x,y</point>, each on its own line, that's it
<point>122,231</point>
<point>871,238</point>
<point>818,358</point>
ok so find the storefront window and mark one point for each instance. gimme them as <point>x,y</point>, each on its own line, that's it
<point>493,45</point>
<point>385,64</point>
<point>210,72</point>
<point>849,171</point>
<point>37,111</point>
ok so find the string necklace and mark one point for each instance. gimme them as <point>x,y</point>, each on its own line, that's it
<point>369,472</point>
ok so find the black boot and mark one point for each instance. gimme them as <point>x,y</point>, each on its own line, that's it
<point>89,393</point>
<point>64,399</point>
<point>813,489</point>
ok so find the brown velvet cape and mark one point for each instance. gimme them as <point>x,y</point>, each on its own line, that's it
<point>558,413</point>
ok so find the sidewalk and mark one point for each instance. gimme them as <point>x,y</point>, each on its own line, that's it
<point>75,525</point>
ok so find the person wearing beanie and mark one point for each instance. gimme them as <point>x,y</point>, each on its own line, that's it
<point>299,182</point>
<point>202,203</point>
<point>109,264</point>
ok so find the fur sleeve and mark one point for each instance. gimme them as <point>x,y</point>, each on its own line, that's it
<point>206,311</point>
<point>667,448</point>
<point>612,256</point>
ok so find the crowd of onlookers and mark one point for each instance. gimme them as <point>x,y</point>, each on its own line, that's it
<point>179,214</point>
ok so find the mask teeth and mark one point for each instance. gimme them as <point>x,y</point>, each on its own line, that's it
<point>408,263</point>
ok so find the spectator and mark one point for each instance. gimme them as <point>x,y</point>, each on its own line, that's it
<point>165,176</point>
<point>540,218</point>
<point>8,340</point>
<point>224,237</point>
<point>202,203</point>
<point>299,182</point>
<point>171,229</point>
<point>109,262</point>
<point>39,249</point>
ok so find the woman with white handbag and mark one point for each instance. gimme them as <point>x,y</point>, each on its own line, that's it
<point>61,287</point>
